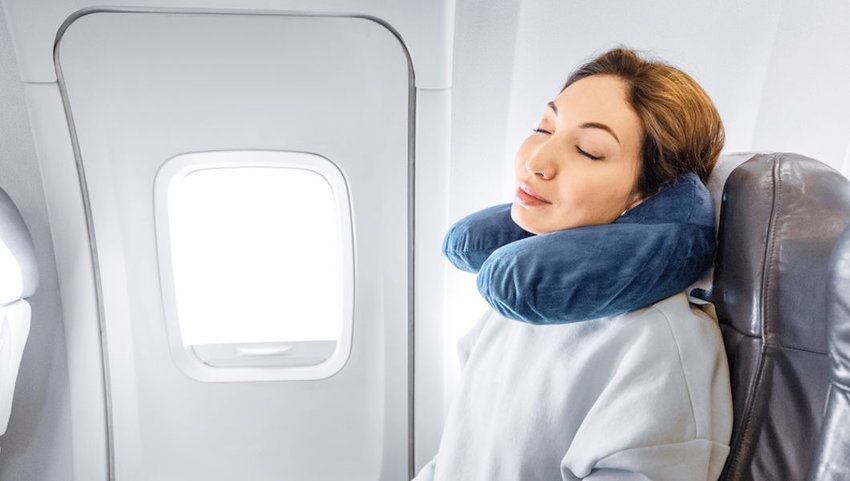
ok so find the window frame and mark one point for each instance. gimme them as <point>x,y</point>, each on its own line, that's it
<point>274,361</point>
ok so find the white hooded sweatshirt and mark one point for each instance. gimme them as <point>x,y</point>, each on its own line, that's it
<point>640,396</point>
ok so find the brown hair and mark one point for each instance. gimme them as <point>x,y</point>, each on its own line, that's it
<point>682,129</point>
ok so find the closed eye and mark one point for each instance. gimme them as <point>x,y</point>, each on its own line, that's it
<point>589,156</point>
<point>539,130</point>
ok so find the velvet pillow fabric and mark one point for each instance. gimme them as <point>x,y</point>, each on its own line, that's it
<point>652,252</point>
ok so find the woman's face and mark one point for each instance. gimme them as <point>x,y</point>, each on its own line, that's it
<point>581,165</point>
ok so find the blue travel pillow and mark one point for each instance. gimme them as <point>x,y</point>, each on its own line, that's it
<point>653,251</point>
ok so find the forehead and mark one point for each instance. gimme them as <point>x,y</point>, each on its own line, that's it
<point>602,99</point>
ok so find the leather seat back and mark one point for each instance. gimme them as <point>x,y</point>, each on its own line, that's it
<point>832,461</point>
<point>779,220</point>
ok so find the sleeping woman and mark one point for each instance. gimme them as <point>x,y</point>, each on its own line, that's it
<point>593,364</point>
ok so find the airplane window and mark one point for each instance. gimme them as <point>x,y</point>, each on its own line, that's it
<point>256,256</point>
<point>258,263</point>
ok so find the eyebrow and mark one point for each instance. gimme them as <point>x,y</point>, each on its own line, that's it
<point>589,125</point>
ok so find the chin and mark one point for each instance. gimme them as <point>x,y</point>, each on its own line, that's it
<point>520,218</point>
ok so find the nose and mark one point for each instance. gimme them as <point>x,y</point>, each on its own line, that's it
<point>540,163</point>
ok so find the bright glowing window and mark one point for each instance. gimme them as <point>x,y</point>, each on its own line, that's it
<point>255,251</point>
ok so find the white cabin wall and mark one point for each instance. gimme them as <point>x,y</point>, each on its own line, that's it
<point>34,25</point>
<point>485,33</point>
<point>805,105</point>
<point>37,444</point>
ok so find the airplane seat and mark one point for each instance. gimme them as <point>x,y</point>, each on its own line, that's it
<point>780,217</point>
<point>18,281</point>
<point>832,458</point>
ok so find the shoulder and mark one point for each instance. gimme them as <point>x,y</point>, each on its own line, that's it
<point>702,357</point>
<point>696,335</point>
<point>674,353</point>
<point>674,369</point>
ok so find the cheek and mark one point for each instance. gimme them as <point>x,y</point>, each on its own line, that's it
<point>578,186</point>
<point>592,195</point>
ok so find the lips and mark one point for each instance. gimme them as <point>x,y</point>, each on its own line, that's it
<point>529,197</point>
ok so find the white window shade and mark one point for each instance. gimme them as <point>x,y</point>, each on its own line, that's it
<point>256,262</point>
<point>256,256</point>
